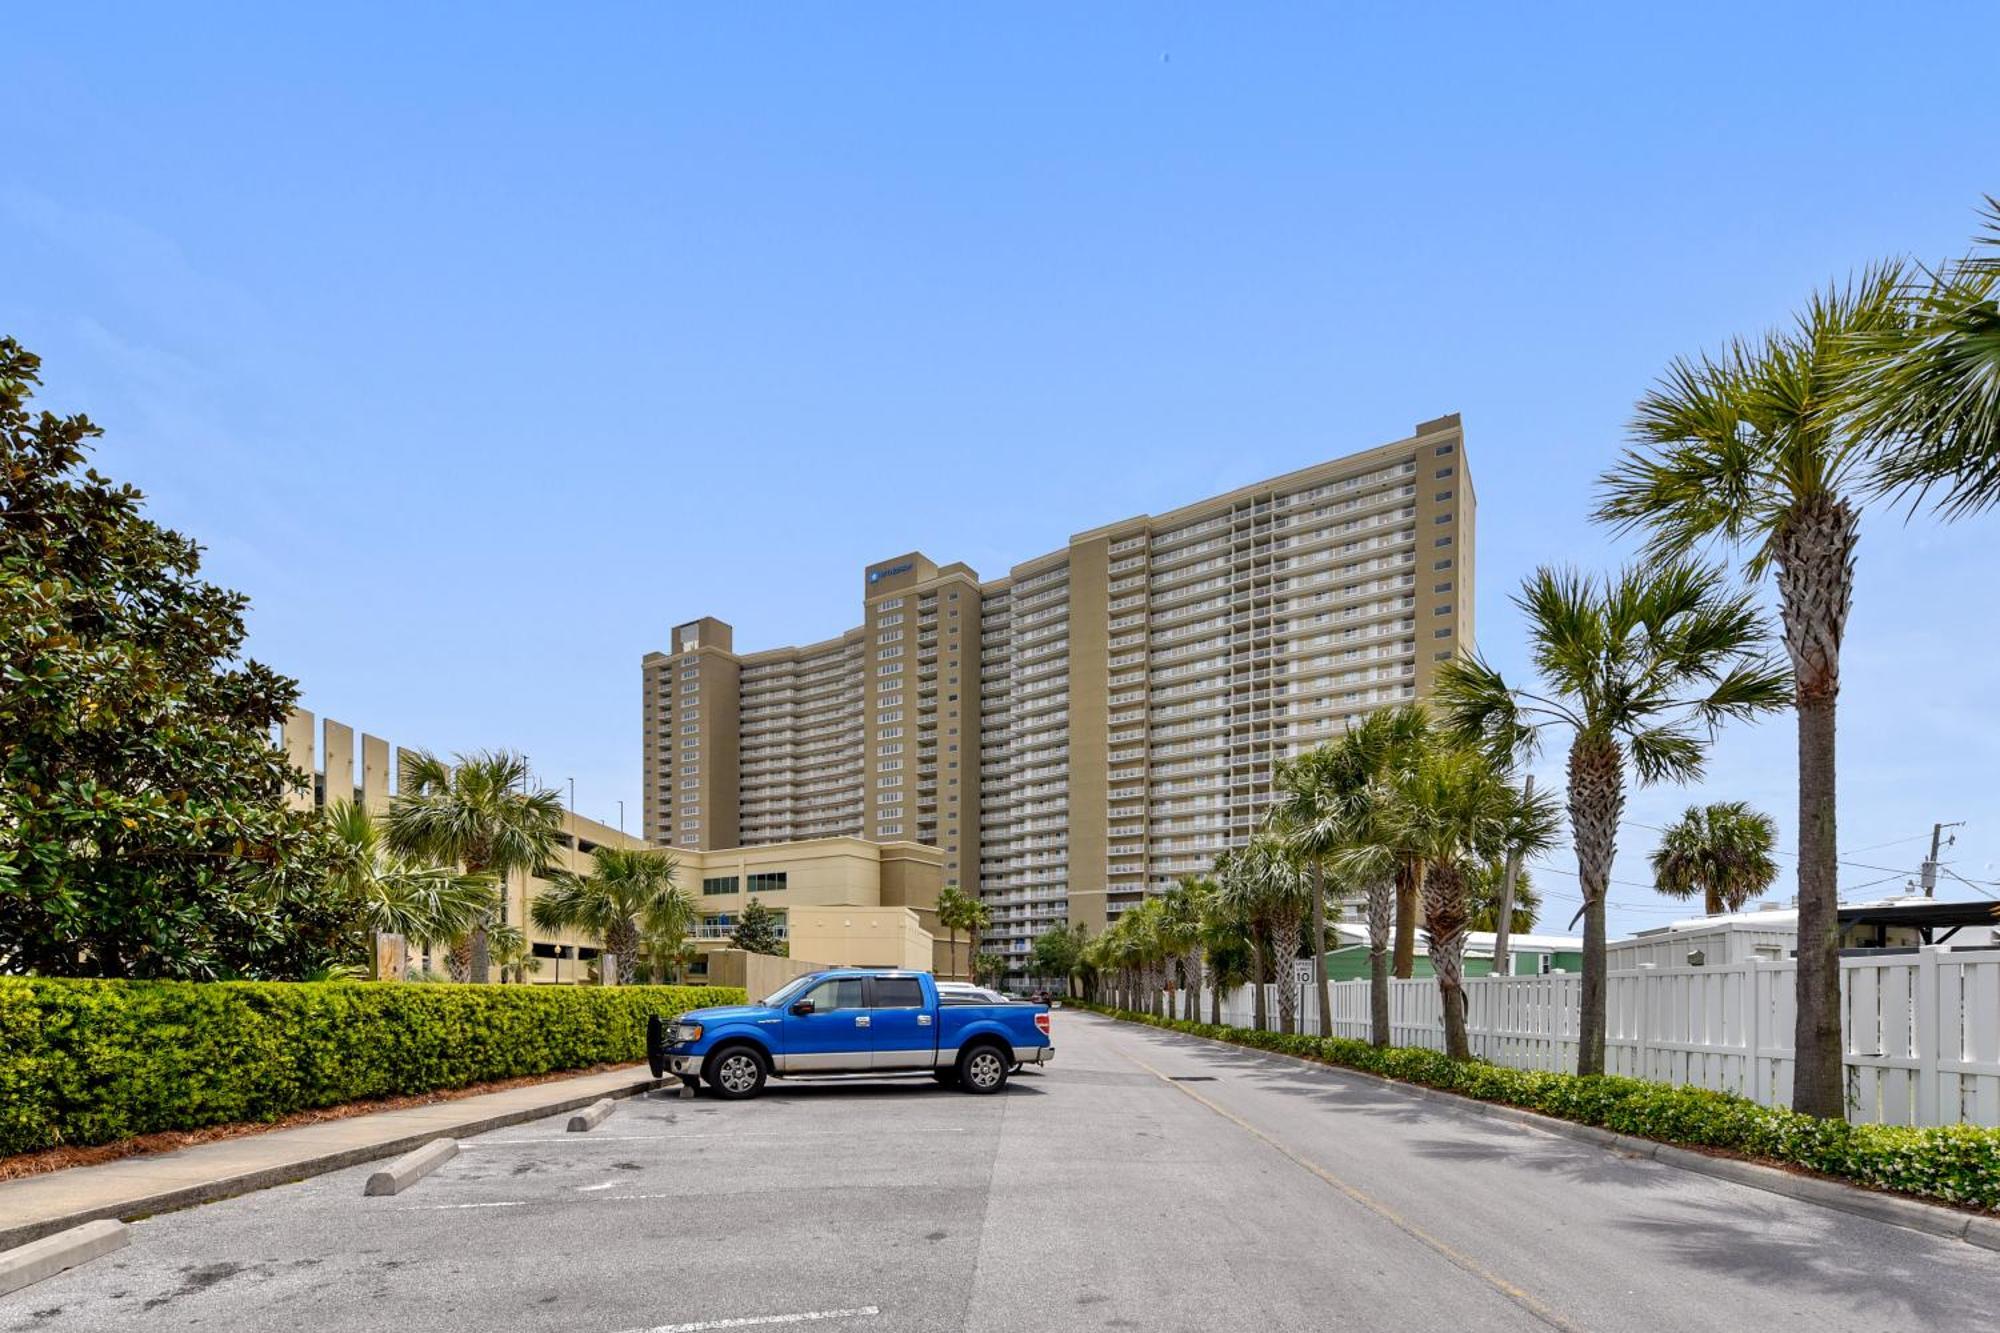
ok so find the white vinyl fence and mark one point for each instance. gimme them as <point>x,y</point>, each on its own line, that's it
<point>1922,1029</point>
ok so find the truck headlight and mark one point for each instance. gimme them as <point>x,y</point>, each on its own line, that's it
<point>686,1032</point>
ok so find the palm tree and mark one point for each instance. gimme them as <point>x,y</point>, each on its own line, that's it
<point>629,894</point>
<point>1927,390</point>
<point>479,813</point>
<point>1720,853</point>
<point>1456,809</point>
<point>1640,668</point>
<point>1760,450</point>
<point>1482,890</point>
<point>1181,909</point>
<point>1279,892</point>
<point>430,906</point>
<point>513,957</point>
<point>1310,816</point>
<point>977,917</point>
<point>1240,897</point>
<point>1357,775</point>
<point>953,903</point>
<point>1225,947</point>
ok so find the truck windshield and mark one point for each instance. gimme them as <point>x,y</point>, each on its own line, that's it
<point>782,996</point>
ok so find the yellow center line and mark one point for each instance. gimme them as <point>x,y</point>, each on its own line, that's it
<point>1374,1205</point>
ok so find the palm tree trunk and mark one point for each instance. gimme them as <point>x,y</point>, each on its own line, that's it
<point>1257,980</point>
<point>480,963</point>
<point>1503,926</point>
<point>1381,910</point>
<point>1215,997</point>
<point>1319,950</point>
<point>1444,921</point>
<point>1409,881</point>
<point>1285,951</point>
<point>1815,557</point>
<point>1596,799</point>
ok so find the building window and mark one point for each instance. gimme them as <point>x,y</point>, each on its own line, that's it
<point>771,881</point>
<point>1442,450</point>
<point>1444,633</point>
<point>1444,472</point>
<point>1442,518</point>
<point>1442,541</point>
<point>889,831</point>
<point>1441,564</point>
<point>719,884</point>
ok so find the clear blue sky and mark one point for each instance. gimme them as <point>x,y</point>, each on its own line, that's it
<point>481,347</point>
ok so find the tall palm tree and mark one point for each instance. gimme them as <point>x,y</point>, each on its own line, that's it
<point>477,811</point>
<point>1225,948</point>
<point>629,894</point>
<point>512,955</point>
<point>1640,668</point>
<point>1359,773</point>
<point>1457,809</point>
<point>428,905</point>
<point>1181,909</point>
<point>953,903</point>
<point>1279,889</point>
<point>1927,391</point>
<point>1241,897</point>
<point>977,916</point>
<point>1720,853</point>
<point>1310,816</point>
<point>1759,450</point>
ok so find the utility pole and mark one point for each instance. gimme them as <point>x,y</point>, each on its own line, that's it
<point>1931,864</point>
<point>1504,927</point>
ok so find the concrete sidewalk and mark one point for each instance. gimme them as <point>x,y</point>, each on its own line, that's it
<point>37,1206</point>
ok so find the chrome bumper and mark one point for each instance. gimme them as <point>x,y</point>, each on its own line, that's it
<point>684,1064</point>
<point>1034,1055</point>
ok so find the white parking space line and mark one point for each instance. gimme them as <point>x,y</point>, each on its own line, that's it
<point>440,1207</point>
<point>762,1320</point>
<point>585,1140</point>
<point>592,1189</point>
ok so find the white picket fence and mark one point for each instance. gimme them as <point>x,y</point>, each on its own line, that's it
<point>1921,1029</point>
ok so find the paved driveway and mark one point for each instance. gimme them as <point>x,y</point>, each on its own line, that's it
<point>1145,1181</point>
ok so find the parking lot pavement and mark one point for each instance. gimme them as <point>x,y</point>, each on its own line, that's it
<point>1143,1182</point>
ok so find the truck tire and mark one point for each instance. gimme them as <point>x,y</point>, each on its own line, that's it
<point>736,1073</point>
<point>983,1068</point>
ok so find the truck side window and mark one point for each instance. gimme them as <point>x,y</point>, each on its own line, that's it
<point>898,993</point>
<point>839,993</point>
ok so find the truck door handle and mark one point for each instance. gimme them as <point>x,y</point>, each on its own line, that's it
<point>862,1021</point>
<point>923,1020</point>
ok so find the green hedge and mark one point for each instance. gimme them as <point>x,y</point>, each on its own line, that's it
<point>1956,1163</point>
<point>85,1062</point>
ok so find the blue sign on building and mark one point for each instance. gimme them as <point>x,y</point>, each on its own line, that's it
<point>877,575</point>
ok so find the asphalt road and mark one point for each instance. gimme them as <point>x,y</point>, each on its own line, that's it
<point>1145,1181</point>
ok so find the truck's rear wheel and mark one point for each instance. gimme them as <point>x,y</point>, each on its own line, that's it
<point>983,1069</point>
<point>735,1072</point>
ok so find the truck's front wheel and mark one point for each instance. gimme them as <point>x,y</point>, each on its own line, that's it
<point>983,1069</point>
<point>735,1072</point>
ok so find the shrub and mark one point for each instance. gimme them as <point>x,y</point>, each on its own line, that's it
<point>85,1062</point>
<point>1955,1163</point>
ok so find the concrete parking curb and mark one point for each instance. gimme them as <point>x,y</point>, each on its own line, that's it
<point>411,1167</point>
<point>141,1193</point>
<point>1894,1209</point>
<point>28,1264</point>
<point>590,1117</point>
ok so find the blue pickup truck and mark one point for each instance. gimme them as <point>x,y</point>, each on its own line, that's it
<point>852,1021</point>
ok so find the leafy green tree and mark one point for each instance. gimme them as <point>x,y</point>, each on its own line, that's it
<point>757,930</point>
<point>1927,387</point>
<point>1639,668</point>
<point>1225,950</point>
<point>513,956</point>
<point>1180,935</point>
<point>1719,853</point>
<point>143,829</point>
<point>628,895</point>
<point>1759,450</point>
<point>1271,887</point>
<point>1058,952</point>
<point>989,969</point>
<point>429,905</point>
<point>479,813</point>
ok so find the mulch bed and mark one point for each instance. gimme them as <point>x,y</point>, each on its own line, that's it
<point>140,1145</point>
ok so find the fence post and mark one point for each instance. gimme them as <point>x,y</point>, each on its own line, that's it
<point>1760,1077</point>
<point>1929,1002</point>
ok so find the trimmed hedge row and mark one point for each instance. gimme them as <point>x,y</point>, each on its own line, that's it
<point>85,1062</point>
<point>1956,1163</point>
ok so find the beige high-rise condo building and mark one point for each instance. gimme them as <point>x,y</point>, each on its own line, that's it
<point>1100,721</point>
